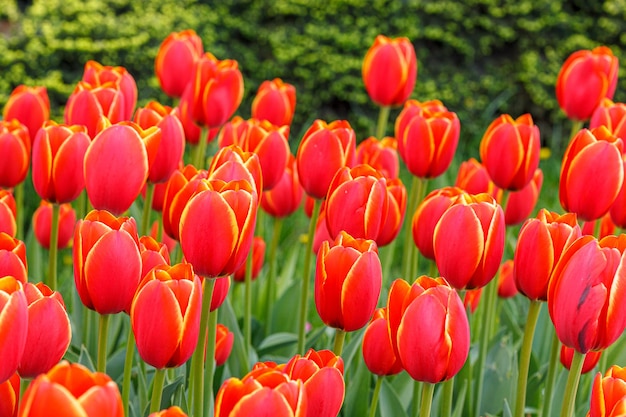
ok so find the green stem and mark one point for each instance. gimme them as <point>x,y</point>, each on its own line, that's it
<point>567,409</point>
<point>147,208</point>
<point>128,365</point>
<point>408,236</point>
<point>200,149</point>
<point>491,297</point>
<point>210,362</point>
<point>576,126</point>
<point>53,250</point>
<point>198,355</point>
<point>374,405</point>
<point>81,205</point>
<point>157,390</point>
<point>551,377</point>
<point>446,400</point>
<point>417,397</point>
<point>247,317</point>
<point>271,274</point>
<point>304,294</point>
<point>340,337</point>
<point>383,117</point>
<point>19,210</point>
<point>103,331</point>
<point>524,361</point>
<point>427,399</point>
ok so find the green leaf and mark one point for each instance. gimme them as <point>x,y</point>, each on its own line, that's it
<point>276,341</point>
<point>85,359</point>
<point>357,390</point>
<point>389,403</point>
<point>168,391</point>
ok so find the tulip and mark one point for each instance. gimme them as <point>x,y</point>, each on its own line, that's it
<point>473,178</point>
<point>153,254</point>
<point>472,299</point>
<point>321,234</point>
<point>606,227</point>
<point>165,315</point>
<point>617,212</point>
<point>42,224</point>
<point>521,203</point>
<point>15,150</point>
<point>10,396</point>
<point>98,74</point>
<point>30,106</point>
<point>470,259</point>
<point>8,213</point>
<point>258,255</point>
<point>608,394</point>
<point>13,258</point>
<point>177,194</point>
<point>592,173</point>
<point>275,101</point>
<point>348,280</point>
<point>587,291</point>
<point>390,70</point>
<point>220,291</point>
<point>107,262</point>
<point>506,282</point>
<point>176,59</point>
<point>223,344</point>
<point>381,155</point>
<point>585,79</point>
<point>610,115</point>
<point>378,352</point>
<point>591,359</point>
<point>49,331</point>
<point>13,325</point>
<point>285,197</point>
<point>76,390</point>
<point>323,150</point>
<point>173,411</point>
<point>89,104</point>
<point>395,213</point>
<point>233,163</point>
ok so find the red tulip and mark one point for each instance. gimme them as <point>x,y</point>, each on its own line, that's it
<point>10,396</point>
<point>389,70</point>
<point>395,212</point>
<point>472,299</point>
<point>591,359</point>
<point>275,101</point>
<point>89,104</point>
<point>323,150</point>
<point>107,262</point>
<point>98,74</point>
<point>587,293</point>
<point>173,411</point>
<point>223,344</point>
<point>506,282</point>
<point>540,245</point>
<point>474,179</point>
<point>608,394</point>
<point>258,255</point>
<point>76,390</point>
<point>348,279</point>
<point>220,291</point>
<point>382,155</point>
<point>153,254</point>
<point>13,325</point>
<point>42,224</point>
<point>520,204</point>
<point>610,115</point>
<point>15,150</point>
<point>233,163</point>
<point>175,61</point>
<point>30,106</point>
<point>8,213</point>
<point>606,228</point>
<point>378,352</point>
<point>617,212</point>
<point>585,79</point>
<point>286,196</point>
<point>177,194</point>
<point>13,258</point>
<point>321,230</point>
<point>592,173</point>
<point>471,258</point>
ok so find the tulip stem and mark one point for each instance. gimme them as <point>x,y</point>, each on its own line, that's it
<point>576,126</point>
<point>271,274</point>
<point>128,364</point>
<point>247,318</point>
<point>383,117</point>
<point>567,409</point>
<point>427,399</point>
<point>147,208</point>
<point>19,211</point>
<point>304,294</point>
<point>446,400</point>
<point>198,355</point>
<point>374,405</point>
<point>417,397</point>
<point>524,359</point>
<point>210,362</point>
<point>340,337</point>
<point>157,390</point>
<point>551,378</point>
<point>103,331</point>
<point>53,249</point>
<point>491,297</point>
<point>200,150</point>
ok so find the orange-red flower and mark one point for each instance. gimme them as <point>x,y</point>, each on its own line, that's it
<point>177,194</point>
<point>29,105</point>
<point>506,282</point>
<point>396,210</point>
<point>10,396</point>
<point>608,395</point>
<point>98,74</point>
<point>286,196</point>
<point>13,258</point>
<point>232,163</point>
<point>610,115</point>
<point>591,359</point>
<point>42,224</point>
<point>224,340</point>
<point>153,254</point>
<point>175,61</point>
<point>617,212</point>
<point>275,101</point>
<point>380,154</point>
<point>13,325</point>
<point>173,411</point>
<point>258,256</point>
<point>474,178</point>
<point>8,212</point>
<point>15,148</point>
<point>521,203</point>
<point>378,352</point>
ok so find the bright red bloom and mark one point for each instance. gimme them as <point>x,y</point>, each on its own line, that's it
<point>592,173</point>
<point>98,74</point>
<point>378,352</point>
<point>275,101</point>
<point>591,359</point>
<point>13,258</point>
<point>472,299</point>
<point>175,61</point>
<point>29,105</point>
<point>286,196</point>
<point>392,224</point>
<point>10,396</point>
<point>8,212</point>
<point>585,79</point>
<point>607,227</point>
<point>177,194</point>
<point>348,279</point>
<point>76,390</point>
<point>153,254</point>
<point>506,282</point>
<point>220,291</point>
<point>42,224</point>
<point>380,154</point>
<point>389,70</point>
<point>15,150</point>
<point>474,178</point>
<point>521,203</point>
<point>173,411</point>
<point>323,150</point>
<point>223,344</point>
<point>608,395</point>
<point>610,115</point>
<point>107,262</point>
<point>587,293</point>
<point>258,256</point>
<point>13,325</point>
<point>617,212</point>
<point>232,163</point>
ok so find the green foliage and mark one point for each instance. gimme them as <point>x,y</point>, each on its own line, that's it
<point>480,57</point>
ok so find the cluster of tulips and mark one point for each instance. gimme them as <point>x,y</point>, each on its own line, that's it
<point>171,275</point>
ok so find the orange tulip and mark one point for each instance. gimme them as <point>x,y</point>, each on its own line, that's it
<point>153,254</point>
<point>275,101</point>
<point>220,291</point>
<point>608,394</point>
<point>506,282</point>
<point>13,258</point>
<point>173,411</point>
<point>175,61</point>
<point>378,353</point>
<point>473,178</point>
<point>177,194</point>
<point>13,325</point>
<point>98,74</point>
<point>606,228</point>
<point>382,155</point>
<point>15,150</point>
<point>591,359</point>
<point>286,196</point>
<point>42,224</point>
<point>521,203</point>
<point>232,163</point>
<point>610,115</point>
<point>617,212</point>
<point>10,396</point>
<point>8,212</point>
<point>392,224</point>
<point>258,256</point>
<point>223,344</point>
<point>30,106</point>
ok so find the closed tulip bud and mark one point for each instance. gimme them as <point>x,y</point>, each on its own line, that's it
<point>98,74</point>
<point>220,291</point>
<point>89,104</point>
<point>474,179</point>
<point>520,204</point>
<point>348,280</point>
<point>223,344</point>
<point>258,255</point>
<point>617,212</point>
<point>608,394</point>
<point>233,164</point>
<point>10,396</point>
<point>470,259</point>
<point>587,291</point>
<point>610,115</point>
<point>175,61</point>
<point>506,282</point>
<point>592,173</point>
<point>607,227</point>
<point>591,359</point>
<point>381,155</point>
<point>15,150</point>
<point>275,101</point>
<point>107,262</point>
<point>321,230</point>
<point>13,258</point>
<point>76,390</point>
<point>177,194</point>
<point>8,213</point>
<point>173,411</point>
<point>286,196</point>
<point>165,315</point>
<point>389,70</point>
<point>324,149</point>
<point>42,224</point>
<point>428,135</point>
<point>585,79</point>
<point>30,106</point>
<point>13,325</point>
<point>378,353</point>
<point>472,299</point>
<point>395,212</point>
<point>540,245</point>
<point>153,254</point>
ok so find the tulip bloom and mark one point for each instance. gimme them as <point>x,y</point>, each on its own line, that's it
<point>506,283</point>
<point>323,150</point>
<point>98,74</point>
<point>610,115</point>
<point>177,194</point>
<point>173,411</point>
<point>224,340</point>
<point>540,245</point>
<point>509,150</point>
<point>587,291</point>
<point>15,150</point>
<point>473,178</point>
<point>107,262</point>
<point>428,135</point>
<point>10,396</point>
<point>8,213</point>
<point>585,79</point>
<point>521,203</point>
<point>592,173</point>
<point>153,254</point>
<point>13,325</point>
<point>471,258</point>
<point>591,359</point>
<point>348,279</point>
<point>275,101</point>
<point>395,213</point>
<point>165,315</point>
<point>607,227</point>
<point>617,212</point>
<point>175,61</point>
<point>381,155</point>
<point>49,331</point>
<point>378,352</point>
<point>13,258</point>
<point>286,196</point>
<point>389,70</point>
<point>30,106</point>
<point>232,163</point>
<point>76,390</point>
<point>258,255</point>
<point>58,157</point>
<point>608,394</point>
<point>42,224</point>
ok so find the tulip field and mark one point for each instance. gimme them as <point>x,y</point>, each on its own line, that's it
<point>187,261</point>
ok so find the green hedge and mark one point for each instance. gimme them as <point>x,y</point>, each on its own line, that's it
<point>480,57</point>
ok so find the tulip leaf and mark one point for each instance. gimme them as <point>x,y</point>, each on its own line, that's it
<point>85,359</point>
<point>389,402</point>
<point>500,375</point>
<point>169,390</point>
<point>238,363</point>
<point>285,310</point>
<point>351,349</point>
<point>506,412</point>
<point>276,341</point>
<point>357,390</point>
<point>460,399</point>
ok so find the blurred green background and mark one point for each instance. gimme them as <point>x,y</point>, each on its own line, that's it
<point>480,57</point>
